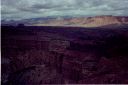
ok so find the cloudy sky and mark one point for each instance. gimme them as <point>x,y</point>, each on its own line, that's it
<point>20,9</point>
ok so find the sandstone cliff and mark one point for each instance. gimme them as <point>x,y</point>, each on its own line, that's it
<point>97,21</point>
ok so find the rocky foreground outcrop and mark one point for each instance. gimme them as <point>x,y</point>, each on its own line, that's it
<point>40,56</point>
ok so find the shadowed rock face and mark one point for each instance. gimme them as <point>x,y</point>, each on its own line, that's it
<point>43,55</point>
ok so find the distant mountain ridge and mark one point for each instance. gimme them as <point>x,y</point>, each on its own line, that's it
<point>97,21</point>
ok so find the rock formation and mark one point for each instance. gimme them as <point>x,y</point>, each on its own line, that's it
<point>97,21</point>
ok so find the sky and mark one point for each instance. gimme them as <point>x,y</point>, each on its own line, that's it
<point>22,9</point>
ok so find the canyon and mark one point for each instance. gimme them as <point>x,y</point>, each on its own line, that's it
<point>63,55</point>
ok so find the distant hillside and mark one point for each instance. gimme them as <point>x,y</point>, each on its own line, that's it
<point>97,21</point>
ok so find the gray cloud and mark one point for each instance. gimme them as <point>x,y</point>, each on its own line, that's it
<point>17,9</point>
